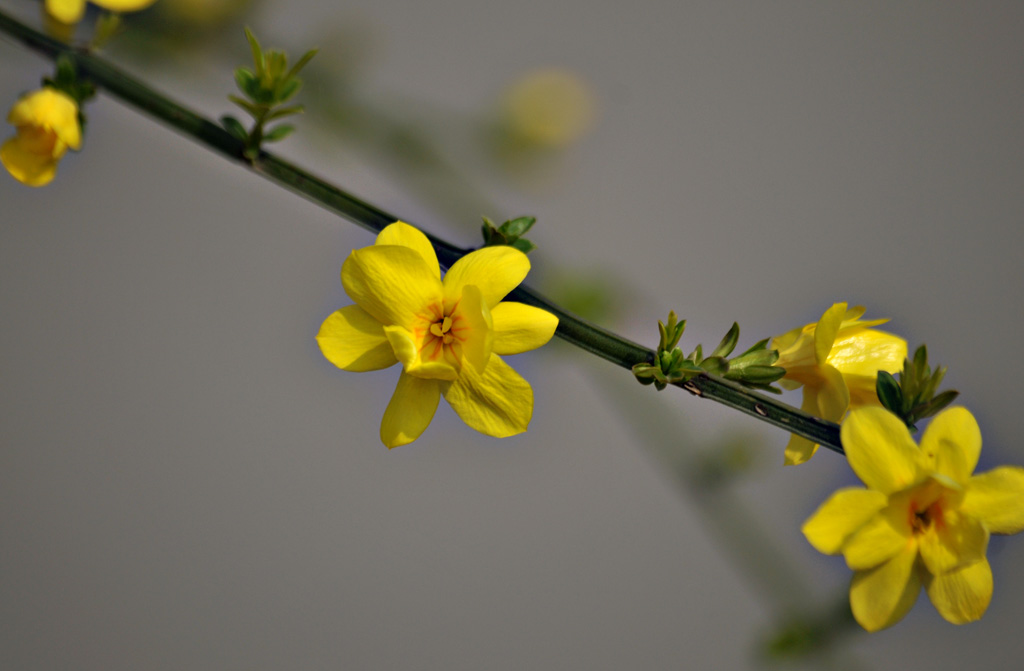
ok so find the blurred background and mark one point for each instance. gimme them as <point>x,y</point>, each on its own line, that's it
<point>185,482</point>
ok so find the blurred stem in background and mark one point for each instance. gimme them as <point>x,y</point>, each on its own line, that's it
<point>803,631</point>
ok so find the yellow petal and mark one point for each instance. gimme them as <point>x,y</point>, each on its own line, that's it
<point>867,351</point>
<point>496,401</point>
<point>800,449</point>
<point>952,541</point>
<point>952,443</point>
<point>494,270</point>
<point>833,396</point>
<point>407,351</point>
<point>404,235</point>
<point>473,325</point>
<point>880,450</point>
<point>962,596</point>
<point>49,109</point>
<point>123,5</point>
<point>881,596</point>
<point>27,167</point>
<point>997,499</point>
<point>826,330</point>
<point>411,408</point>
<point>521,328</point>
<point>392,283</point>
<point>840,516</point>
<point>66,11</point>
<point>353,340</point>
<point>879,540</point>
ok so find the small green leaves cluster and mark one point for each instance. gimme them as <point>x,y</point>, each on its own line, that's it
<point>267,87</point>
<point>510,233</point>
<point>753,368</point>
<point>915,395</point>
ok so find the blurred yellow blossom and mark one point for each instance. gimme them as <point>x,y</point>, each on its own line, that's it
<point>446,334</point>
<point>47,126</point>
<point>548,108</point>
<point>203,12</point>
<point>837,361</point>
<point>923,519</point>
<point>71,11</point>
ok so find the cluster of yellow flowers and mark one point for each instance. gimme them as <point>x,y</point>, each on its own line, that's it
<point>923,519</point>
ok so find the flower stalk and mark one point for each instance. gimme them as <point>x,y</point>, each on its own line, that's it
<point>571,328</point>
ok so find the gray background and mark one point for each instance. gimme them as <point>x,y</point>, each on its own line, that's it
<point>185,483</point>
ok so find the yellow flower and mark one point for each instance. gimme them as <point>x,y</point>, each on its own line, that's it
<point>71,11</point>
<point>47,124</point>
<point>837,361</point>
<point>923,520</point>
<point>446,334</point>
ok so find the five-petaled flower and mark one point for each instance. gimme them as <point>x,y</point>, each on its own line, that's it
<point>71,11</point>
<point>446,334</point>
<point>47,125</point>
<point>837,361</point>
<point>923,519</point>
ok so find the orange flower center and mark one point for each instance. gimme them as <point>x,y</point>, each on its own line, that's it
<point>443,335</point>
<point>922,519</point>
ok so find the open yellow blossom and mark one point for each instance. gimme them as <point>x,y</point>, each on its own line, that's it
<point>446,334</point>
<point>923,520</point>
<point>71,11</point>
<point>837,361</point>
<point>47,125</point>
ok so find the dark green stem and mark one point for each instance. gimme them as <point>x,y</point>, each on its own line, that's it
<point>571,328</point>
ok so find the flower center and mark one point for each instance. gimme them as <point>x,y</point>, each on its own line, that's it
<point>922,520</point>
<point>444,336</point>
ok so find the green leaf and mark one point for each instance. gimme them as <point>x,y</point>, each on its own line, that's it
<point>287,90</point>
<point>249,107</point>
<point>278,132</point>
<point>306,58</point>
<point>758,346</point>
<point>285,111</point>
<point>524,245</point>
<point>938,403</point>
<point>889,393</point>
<point>247,82</point>
<point>758,374</point>
<point>715,365</point>
<point>235,127</point>
<point>729,341</point>
<point>257,52</point>
<point>921,361</point>
<point>514,228</point>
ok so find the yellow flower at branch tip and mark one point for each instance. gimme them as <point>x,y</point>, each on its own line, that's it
<point>71,11</point>
<point>923,520</point>
<point>837,362</point>
<point>447,334</point>
<point>47,126</point>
